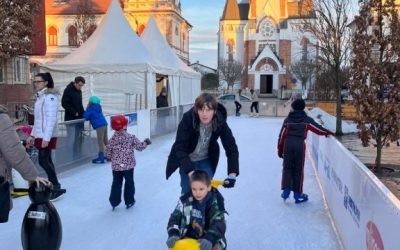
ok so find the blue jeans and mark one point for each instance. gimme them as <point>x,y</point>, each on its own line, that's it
<point>204,165</point>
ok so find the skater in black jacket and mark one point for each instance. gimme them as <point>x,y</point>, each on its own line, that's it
<point>196,145</point>
<point>291,147</point>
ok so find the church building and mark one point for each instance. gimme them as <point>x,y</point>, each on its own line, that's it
<point>62,32</point>
<point>264,36</point>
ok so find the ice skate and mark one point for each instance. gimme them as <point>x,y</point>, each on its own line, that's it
<point>130,205</point>
<point>299,198</point>
<point>285,194</point>
<point>56,194</point>
<point>100,159</point>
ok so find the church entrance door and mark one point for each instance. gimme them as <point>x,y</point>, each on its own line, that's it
<point>266,84</point>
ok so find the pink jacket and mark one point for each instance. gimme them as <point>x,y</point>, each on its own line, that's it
<point>120,150</point>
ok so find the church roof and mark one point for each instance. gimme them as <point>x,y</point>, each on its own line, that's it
<point>244,11</point>
<point>231,11</point>
<point>69,7</point>
<point>301,9</point>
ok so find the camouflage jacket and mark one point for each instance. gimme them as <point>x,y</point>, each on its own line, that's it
<point>194,219</point>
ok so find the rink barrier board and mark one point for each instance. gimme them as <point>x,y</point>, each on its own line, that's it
<point>366,214</point>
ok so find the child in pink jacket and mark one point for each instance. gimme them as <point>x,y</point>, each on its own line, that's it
<point>120,150</point>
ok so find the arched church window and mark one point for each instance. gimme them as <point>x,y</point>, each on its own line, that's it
<point>183,41</point>
<point>176,31</point>
<point>230,46</point>
<point>72,36</point>
<point>52,36</point>
<point>304,48</point>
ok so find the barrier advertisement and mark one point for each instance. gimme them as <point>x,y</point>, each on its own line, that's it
<point>366,213</point>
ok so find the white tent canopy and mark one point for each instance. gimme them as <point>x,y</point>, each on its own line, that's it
<point>185,80</point>
<point>116,65</point>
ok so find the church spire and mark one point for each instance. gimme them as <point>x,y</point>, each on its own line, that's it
<point>231,11</point>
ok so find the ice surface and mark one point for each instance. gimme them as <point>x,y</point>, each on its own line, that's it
<point>258,218</point>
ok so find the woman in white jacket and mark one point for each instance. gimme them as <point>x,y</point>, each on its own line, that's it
<point>43,134</point>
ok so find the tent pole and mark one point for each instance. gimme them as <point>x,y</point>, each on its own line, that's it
<point>145,90</point>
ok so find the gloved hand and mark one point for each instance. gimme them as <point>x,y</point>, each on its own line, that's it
<point>229,182</point>
<point>205,244</point>
<point>171,241</point>
<point>147,141</point>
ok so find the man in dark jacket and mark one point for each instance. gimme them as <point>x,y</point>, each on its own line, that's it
<point>291,148</point>
<point>196,146</point>
<point>72,103</point>
<point>162,98</point>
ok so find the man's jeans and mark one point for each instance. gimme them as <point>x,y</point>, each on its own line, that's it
<point>74,137</point>
<point>204,165</point>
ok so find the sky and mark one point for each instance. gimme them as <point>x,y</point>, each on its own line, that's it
<point>204,16</point>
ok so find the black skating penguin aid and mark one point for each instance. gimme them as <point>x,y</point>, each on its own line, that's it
<point>41,227</point>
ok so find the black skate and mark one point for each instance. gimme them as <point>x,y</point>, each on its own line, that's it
<point>57,194</point>
<point>130,205</point>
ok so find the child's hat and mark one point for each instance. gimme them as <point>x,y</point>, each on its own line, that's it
<point>298,105</point>
<point>94,99</point>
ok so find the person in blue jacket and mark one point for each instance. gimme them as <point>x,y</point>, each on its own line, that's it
<point>94,114</point>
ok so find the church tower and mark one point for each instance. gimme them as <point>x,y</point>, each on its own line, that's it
<point>231,31</point>
<point>267,31</point>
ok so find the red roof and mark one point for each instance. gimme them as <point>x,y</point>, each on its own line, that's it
<point>68,7</point>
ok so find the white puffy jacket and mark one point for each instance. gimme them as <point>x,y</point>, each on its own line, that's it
<point>46,109</point>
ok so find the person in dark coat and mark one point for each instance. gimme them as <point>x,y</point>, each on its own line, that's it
<point>196,146</point>
<point>291,147</point>
<point>162,98</point>
<point>71,101</point>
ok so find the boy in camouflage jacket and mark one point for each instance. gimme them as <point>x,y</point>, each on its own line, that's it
<point>199,215</point>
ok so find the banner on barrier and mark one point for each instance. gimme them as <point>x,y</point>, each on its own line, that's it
<point>366,213</point>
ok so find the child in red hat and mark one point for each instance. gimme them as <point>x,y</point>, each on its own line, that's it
<point>120,150</point>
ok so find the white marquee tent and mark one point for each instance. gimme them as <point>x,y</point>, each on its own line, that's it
<point>116,65</point>
<point>185,80</point>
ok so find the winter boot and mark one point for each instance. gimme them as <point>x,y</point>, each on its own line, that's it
<point>251,114</point>
<point>256,115</point>
<point>285,194</point>
<point>99,159</point>
<point>299,198</point>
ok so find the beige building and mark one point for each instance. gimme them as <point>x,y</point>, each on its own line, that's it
<point>61,32</point>
<point>264,36</point>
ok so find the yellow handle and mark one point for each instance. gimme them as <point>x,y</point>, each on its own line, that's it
<point>217,183</point>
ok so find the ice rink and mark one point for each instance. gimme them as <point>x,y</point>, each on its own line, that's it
<point>258,218</point>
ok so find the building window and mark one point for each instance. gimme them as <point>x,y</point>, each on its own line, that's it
<point>140,29</point>
<point>230,44</point>
<point>183,41</point>
<point>304,48</point>
<point>53,36</point>
<point>91,30</point>
<point>72,36</point>
<point>19,69</point>
<point>176,31</point>
<point>2,71</point>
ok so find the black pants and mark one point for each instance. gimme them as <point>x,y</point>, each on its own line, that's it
<point>255,105</point>
<point>116,188</point>
<point>293,164</point>
<point>238,106</point>
<point>46,163</point>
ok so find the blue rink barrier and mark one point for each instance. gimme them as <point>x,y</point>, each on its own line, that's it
<point>366,214</point>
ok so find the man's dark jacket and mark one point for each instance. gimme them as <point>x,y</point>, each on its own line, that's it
<point>72,103</point>
<point>187,137</point>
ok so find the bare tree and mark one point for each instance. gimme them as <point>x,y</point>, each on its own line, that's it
<point>16,27</point>
<point>375,74</point>
<point>230,71</point>
<point>85,20</point>
<point>209,81</point>
<point>303,70</point>
<point>331,32</point>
